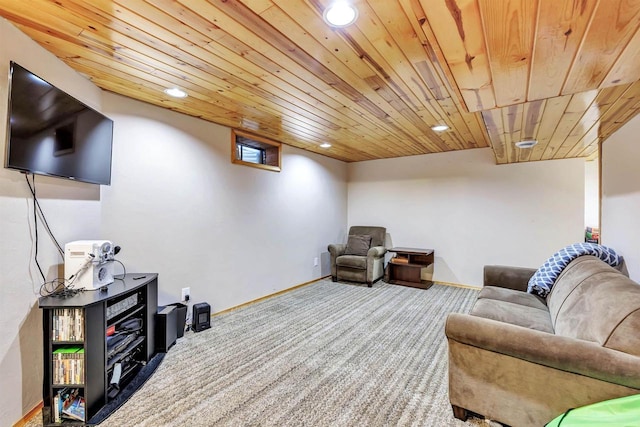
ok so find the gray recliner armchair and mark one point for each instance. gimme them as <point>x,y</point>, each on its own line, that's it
<point>361,259</point>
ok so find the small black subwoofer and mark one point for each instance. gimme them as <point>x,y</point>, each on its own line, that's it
<point>201,316</point>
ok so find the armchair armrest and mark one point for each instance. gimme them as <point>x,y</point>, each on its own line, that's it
<point>337,249</point>
<point>567,354</point>
<point>377,251</point>
<point>516,278</point>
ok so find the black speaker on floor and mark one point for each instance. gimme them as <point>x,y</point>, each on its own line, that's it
<point>166,332</point>
<point>201,316</point>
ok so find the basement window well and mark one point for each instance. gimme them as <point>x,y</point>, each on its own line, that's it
<point>255,151</point>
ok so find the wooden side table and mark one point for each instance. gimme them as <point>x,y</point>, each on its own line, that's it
<point>406,267</point>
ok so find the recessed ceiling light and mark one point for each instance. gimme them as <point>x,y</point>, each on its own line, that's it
<point>340,14</point>
<point>526,143</point>
<point>439,128</point>
<point>175,92</point>
<point>325,145</point>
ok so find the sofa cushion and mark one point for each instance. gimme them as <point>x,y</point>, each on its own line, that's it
<point>515,314</point>
<point>510,295</point>
<point>358,245</point>
<point>571,277</point>
<point>625,336</point>
<point>600,309</point>
<point>352,261</point>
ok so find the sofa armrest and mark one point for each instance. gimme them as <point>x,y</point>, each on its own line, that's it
<point>376,251</point>
<point>516,278</point>
<point>558,352</point>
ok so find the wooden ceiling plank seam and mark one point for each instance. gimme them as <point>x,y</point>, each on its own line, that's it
<point>510,128</point>
<point>479,127</point>
<point>297,130</point>
<point>560,29</point>
<point>246,17</point>
<point>372,92</point>
<point>493,123</point>
<point>509,40</point>
<point>553,109</point>
<point>575,111</point>
<point>448,113</point>
<point>383,39</point>
<point>604,101</point>
<point>477,138</point>
<point>74,63</point>
<point>582,42</point>
<point>291,89</point>
<point>591,135</point>
<point>285,77</point>
<point>353,38</point>
<point>589,120</point>
<point>400,77</point>
<point>608,35</point>
<point>293,75</point>
<point>217,101</point>
<point>610,126</point>
<point>626,69</point>
<point>418,19</point>
<point>326,123</point>
<point>587,124</point>
<point>21,10</point>
<point>273,95</point>
<point>409,114</point>
<point>531,119</point>
<point>464,50</point>
<point>588,148</point>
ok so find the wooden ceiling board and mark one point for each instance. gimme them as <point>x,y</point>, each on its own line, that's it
<point>509,29</point>
<point>458,30</point>
<point>561,25</point>
<point>626,67</point>
<point>531,121</point>
<point>613,25</point>
<point>493,121</point>
<point>579,104</point>
<point>563,71</point>
<point>554,108</point>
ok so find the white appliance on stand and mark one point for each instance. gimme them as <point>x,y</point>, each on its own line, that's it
<point>88,264</point>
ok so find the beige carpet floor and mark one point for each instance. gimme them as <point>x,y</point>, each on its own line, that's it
<point>326,354</point>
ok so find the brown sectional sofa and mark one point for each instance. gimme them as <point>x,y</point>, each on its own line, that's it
<point>523,360</point>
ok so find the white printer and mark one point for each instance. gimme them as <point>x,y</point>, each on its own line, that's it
<point>88,264</point>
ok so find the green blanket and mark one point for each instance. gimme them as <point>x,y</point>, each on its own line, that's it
<point>620,412</point>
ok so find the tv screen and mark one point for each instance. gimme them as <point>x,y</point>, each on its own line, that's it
<point>52,133</point>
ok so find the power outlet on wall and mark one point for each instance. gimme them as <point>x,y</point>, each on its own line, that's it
<point>315,262</point>
<point>186,294</point>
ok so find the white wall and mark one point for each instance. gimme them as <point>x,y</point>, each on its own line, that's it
<point>72,210</point>
<point>591,194</point>
<point>469,210</point>
<point>621,194</point>
<point>179,207</point>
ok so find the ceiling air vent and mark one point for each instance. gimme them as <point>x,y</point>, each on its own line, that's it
<point>528,143</point>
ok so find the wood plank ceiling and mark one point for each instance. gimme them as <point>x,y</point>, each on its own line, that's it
<point>563,72</point>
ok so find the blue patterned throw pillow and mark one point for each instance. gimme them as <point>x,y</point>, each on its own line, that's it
<point>544,278</point>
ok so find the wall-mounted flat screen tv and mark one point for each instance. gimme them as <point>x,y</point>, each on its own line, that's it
<point>52,133</point>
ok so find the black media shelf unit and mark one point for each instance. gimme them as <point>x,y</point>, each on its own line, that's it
<point>77,360</point>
